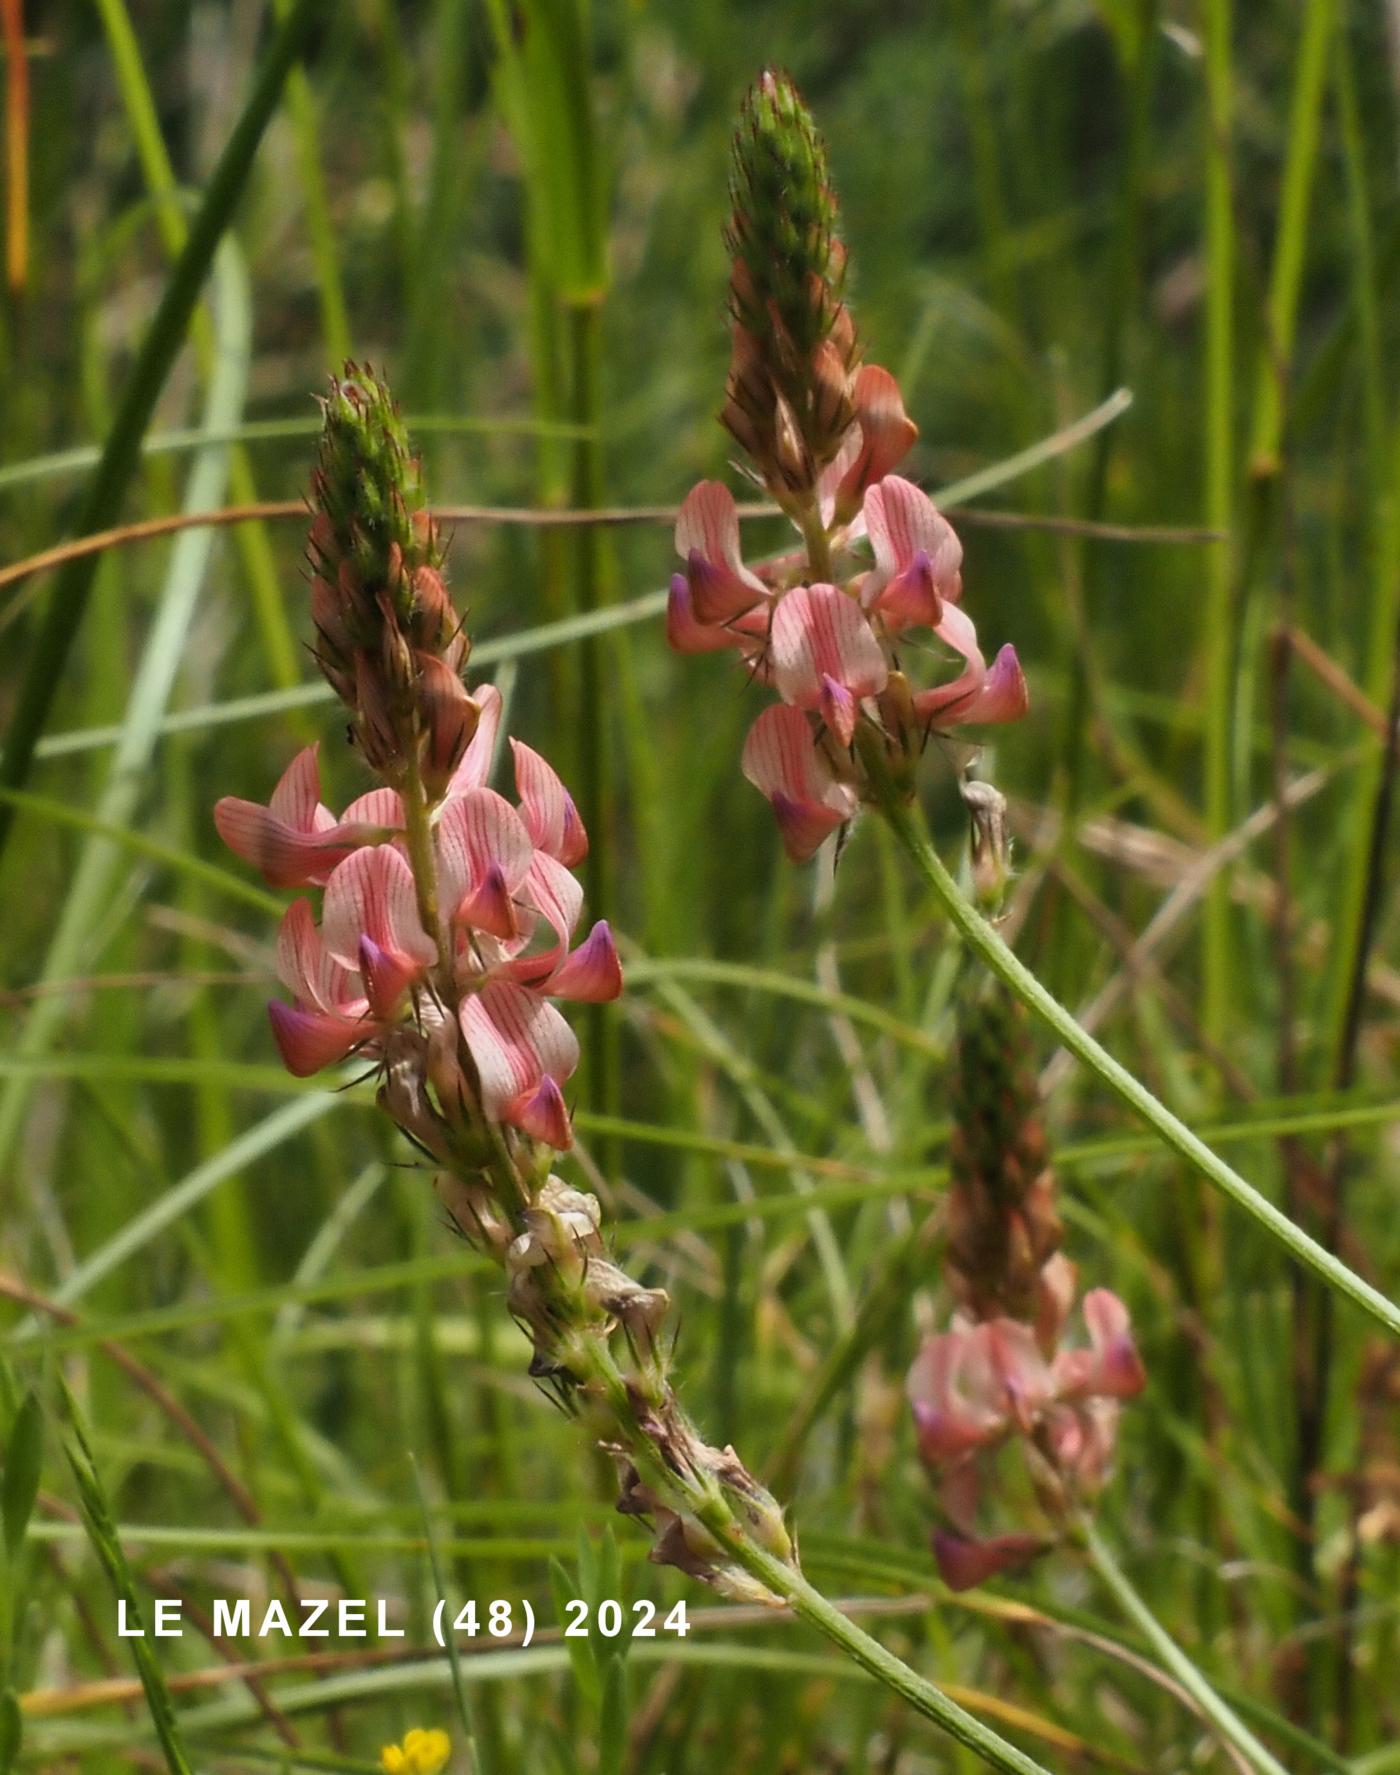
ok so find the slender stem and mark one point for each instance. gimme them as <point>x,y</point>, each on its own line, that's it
<point>785,1580</point>
<point>908,828</point>
<point>603,1080</point>
<point>1220,1714</point>
<point>816,541</point>
<point>1218,457</point>
<point>418,834</point>
<point>807,1602</point>
<point>1301,161</point>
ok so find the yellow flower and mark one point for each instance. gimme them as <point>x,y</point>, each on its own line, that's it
<point>421,1753</point>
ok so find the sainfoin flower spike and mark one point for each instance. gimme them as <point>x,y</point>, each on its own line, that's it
<point>439,937</point>
<point>1004,1380</point>
<point>877,580</point>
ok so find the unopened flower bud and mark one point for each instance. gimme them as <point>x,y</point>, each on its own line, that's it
<point>1003,1224</point>
<point>449,718</point>
<point>388,639</point>
<point>989,843</point>
<point>789,399</point>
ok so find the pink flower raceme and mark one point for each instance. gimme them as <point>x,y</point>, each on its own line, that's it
<point>824,432</point>
<point>830,647</point>
<point>979,1388</point>
<point>508,907</point>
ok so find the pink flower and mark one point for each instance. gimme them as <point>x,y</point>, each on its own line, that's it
<point>978,1387</point>
<point>499,890</point>
<point>484,854</point>
<point>781,760</point>
<point>965,1563</point>
<point>825,656</point>
<point>296,841</point>
<point>369,921</point>
<point>980,695</point>
<point>707,540</point>
<point>524,1052</point>
<point>880,439</point>
<point>974,1384</point>
<point>475,766</point>
<point>917,556</point>
<point>331,1013</point>
<point>1111,1367</point>
<point>687,634</point>
<point>349,978</point>
<point>508,906</point>
<point>547,808</point>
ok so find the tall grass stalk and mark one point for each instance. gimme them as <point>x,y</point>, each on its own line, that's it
<point>72,587</point>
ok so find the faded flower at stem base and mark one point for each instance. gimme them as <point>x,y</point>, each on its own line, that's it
<point>876,586</point>
<point>1014,1418</point>
<point>447,937</point>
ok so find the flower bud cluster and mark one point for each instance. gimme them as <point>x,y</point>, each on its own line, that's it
<point>1003,1378</point>
<point>1003,1223</point>
<point>879,572</point>
<point>789,398</point>
<point>388,639</point>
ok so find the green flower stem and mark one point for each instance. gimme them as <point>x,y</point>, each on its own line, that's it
<point>808,1603</point>
<point>908,828</point>
<point>418,834</point>
<point>1223,1717</point>
<point>817,542</point>
<point>122,451</point>
<point>786,1581</point>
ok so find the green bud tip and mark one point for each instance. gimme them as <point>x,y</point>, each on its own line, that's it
<point>783,229</point>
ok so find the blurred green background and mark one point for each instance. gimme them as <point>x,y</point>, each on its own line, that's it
<point>516,214</point>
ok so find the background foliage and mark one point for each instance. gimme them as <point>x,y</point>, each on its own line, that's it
<point>517,215</point>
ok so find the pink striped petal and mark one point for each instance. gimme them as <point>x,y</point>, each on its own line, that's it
<point>285,856</point>
<point>371,895</point>
<point>781,762</point>
<point>475,767</point>
<point>386,978</point>
<point>296,800</point>
<point>687,634</point>
<point>378,807</point>
<point>305,967</point>
<point>978,696</point>
<point>821,637</point>
<point>516,1040</point>
<point>311,1040</point>
<point>592,974</point>
<point>489,907</point>
<point>479,832</point>
<point>917,555</point>
<point>707,540</point>
<point>547,808</point>
<point>554,893</point>
<point>887,434</point>
<point>543,1114</point>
